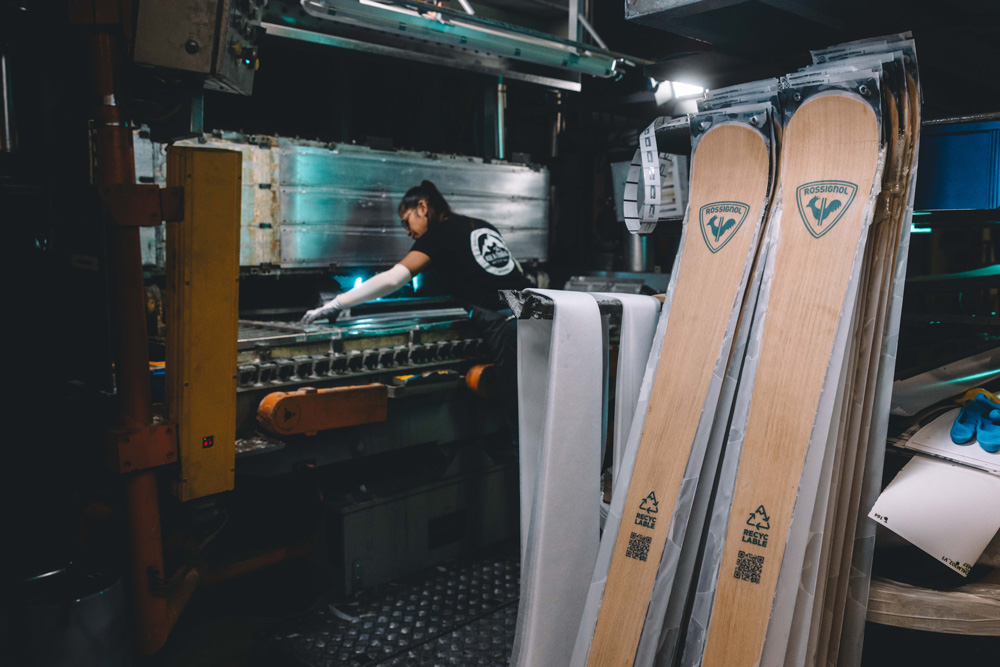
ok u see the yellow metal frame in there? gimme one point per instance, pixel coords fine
(202, 306)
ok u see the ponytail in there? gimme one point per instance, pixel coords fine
(437, 207)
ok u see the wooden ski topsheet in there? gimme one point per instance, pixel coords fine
(729, 185)
(830, 165)
(809, 554)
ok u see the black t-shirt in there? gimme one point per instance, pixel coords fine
(472, 260)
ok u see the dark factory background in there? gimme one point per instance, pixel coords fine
(285, 541)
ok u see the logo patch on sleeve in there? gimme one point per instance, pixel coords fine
(719, 221)
(823, 203)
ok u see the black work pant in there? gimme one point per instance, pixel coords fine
(499, 331)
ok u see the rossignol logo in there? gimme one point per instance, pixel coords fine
(719, 221)
(823, 203)
(490, 252)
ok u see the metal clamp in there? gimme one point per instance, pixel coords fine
(527, 305)
(130, 450)
(143, 205)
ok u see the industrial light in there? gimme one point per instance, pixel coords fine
(665, 90)
(391, 8)
(684, 90)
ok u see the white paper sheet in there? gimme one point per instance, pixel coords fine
(950, 511)
(935, 439)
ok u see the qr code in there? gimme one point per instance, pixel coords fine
(749, 567)
(638, 546)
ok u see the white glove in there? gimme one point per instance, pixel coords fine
(375, 287)
(330, 310)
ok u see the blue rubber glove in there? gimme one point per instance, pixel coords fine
(988, 430)
(964, 428)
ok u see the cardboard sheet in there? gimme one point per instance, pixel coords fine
(950, 511)
(935, 439)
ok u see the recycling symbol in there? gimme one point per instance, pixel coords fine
(649, 504)
(759, 519)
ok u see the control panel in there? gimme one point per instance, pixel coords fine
(215, 38)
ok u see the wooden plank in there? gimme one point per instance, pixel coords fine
(731, 167)
(830, 138)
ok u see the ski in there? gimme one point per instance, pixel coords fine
(730, 178)
(829, 172)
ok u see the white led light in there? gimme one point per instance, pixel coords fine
(682, 90)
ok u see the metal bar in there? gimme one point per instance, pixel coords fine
(470, 32)
(508, 30)
(115, 161)
(972, 118)
(324, 39)
(155, 616)
(593, 33)
(573, 28)
(8, 140)
(501, 106)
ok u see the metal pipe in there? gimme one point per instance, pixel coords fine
(973, 118)
(8, 133)
(593, 33)
(155, 616)
(146, 556)
(636, 255)
(501, 107)
(573, 25)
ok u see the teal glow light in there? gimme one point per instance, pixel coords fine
(416, 283)
(919, 230)
(358, 281)
(975, 376)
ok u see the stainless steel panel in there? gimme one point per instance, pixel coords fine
(308, 206)
(338, 207)
(327, 245)
(355, 168)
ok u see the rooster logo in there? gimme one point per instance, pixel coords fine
(823, 203)
(823, 209)
(720, 228)
(719, 222)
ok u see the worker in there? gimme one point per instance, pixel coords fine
(473, 262)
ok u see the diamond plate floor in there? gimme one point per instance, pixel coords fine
(461, 614)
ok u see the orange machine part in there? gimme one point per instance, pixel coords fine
(481, 380)
(311, 410)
